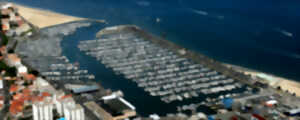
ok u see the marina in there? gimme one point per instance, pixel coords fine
(159, 71)
(58, 69)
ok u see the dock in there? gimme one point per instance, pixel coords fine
(160, 67)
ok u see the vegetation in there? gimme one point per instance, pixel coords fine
(4, 38)
(11, 51)
(10, 71)
(34, 72)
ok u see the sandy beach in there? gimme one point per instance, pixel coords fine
(44, 18)
(274, 81)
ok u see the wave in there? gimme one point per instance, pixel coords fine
(288, 54)
(143, 3)
(295, 56)
(220, 17)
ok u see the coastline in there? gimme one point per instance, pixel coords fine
(274, 81)
(44, 18)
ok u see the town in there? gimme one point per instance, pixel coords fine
(53, 88)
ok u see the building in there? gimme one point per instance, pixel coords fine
(22, 28)
(6, 6)
(293, 112)
(21, 69)
(16, 108)
(14, 88)
(85, 89)
(43, 86)
(13, 60)
(66, 101)
(1, 83)
(43, 110)
(11, 22)
(65, 106)
(74, 112)
(98, 111)
(5, 24)
(1, 102)
(57, 96)
(115, 108)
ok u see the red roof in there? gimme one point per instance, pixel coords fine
(26, 91)
(27, 94)
(5, 27)
(46, 94)
(16, 107)
(18, 96)
(37, 98)
(5, 11)
(18, 18)
(234, 118)
(66, 96)
(1, 97)
(3, 49)
(5, 20)
(13, 57)
(29, 77)
(13, 88)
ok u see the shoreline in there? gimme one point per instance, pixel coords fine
(44, 18)
(274, 81)
(237, 72)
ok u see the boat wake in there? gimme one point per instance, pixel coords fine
(200, 12)
(205, 13)
(284, 32)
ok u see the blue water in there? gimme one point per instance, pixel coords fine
(144, 103)
(250, 33)
(260, 34)
(247, 33)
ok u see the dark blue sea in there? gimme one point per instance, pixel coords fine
(259, 34)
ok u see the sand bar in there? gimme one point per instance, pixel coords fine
(44, 18)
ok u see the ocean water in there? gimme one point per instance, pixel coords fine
(259, 34)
